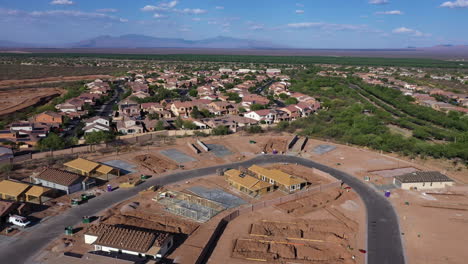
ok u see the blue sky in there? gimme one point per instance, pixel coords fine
(303, 24)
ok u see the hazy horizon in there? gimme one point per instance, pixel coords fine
(333, 24)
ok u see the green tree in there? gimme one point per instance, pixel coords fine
(98, 137)
(193, 93)
(196, 113)
(51, 142)
(159, 126)
(189, 125)
(220, 130)
(255, 129)
(290, 101)
(256, 107)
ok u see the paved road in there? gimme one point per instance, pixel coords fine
(384, 241)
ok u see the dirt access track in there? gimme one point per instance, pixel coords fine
(17, 100)
(384, 239)
(9, 83)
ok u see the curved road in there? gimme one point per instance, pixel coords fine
(384, 241)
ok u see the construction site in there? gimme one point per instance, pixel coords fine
(192, 209)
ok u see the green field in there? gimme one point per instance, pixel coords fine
(358, 61)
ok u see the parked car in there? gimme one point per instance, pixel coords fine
(18, 220)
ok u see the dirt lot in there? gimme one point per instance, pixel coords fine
(155, 164)
(275, 144)
(10, 82)
(442, 231)
(16, 100)
(331, 234)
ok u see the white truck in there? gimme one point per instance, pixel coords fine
(18, 220)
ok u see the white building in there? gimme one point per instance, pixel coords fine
(113, 239)
(266, 115)
(96, 124)
(422, 180)
(68, 182)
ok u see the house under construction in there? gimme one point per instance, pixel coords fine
(190, 206)
(247, 184)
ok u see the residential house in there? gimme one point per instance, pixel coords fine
(128, 126)
(281, 180)
(273, 72)
(422, 180)
(129, 108)
(247, 184)
(267, 116)
(96, 124)
(61, 180)
(6, 155)
(127, 240)
(49, 117)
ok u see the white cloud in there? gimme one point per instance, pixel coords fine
(164, 6)
(72, 13)
(325, 26)
(61, 2)
(219, 7)
(158, 15)
(191, 11)
(455, 4)
(107, 10)
(378, 2)
(299, 11)
(392, 12)
(409, 31)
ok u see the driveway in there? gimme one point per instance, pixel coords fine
(384, 240)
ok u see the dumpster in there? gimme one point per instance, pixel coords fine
(86, 220)
(75, 202)
(69, 230)
(109, 188)
(84, 197)
(145, 177)
(252, 142)
(275, 151)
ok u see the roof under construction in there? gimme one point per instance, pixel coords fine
(82, 165)
(37, 191)
(88, 166)
(277, 175)
(12, 188)
(127, 238)
(246, 181)
(423, 176)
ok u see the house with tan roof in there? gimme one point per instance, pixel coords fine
(89, 168)
(281, 180)
(247, 184)
(128, 240)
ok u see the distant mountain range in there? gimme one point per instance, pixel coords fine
(134, 41)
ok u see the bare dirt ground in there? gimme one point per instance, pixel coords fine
(155, 164)
(8, 83)
(275, 144)
(441, 230)
(16, 100)
(433, 235)
(273, 235)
